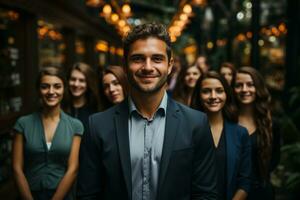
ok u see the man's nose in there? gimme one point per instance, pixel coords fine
(148, 64)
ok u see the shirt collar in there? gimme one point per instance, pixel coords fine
(162, 106)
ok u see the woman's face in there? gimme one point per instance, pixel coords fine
(244, 88)
(213, 95)
(191, 76)
(226, 72)
(112, 88)
(77, 83)
(51, 90)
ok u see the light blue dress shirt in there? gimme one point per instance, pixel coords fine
(146, 138)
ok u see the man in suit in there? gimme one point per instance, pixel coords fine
(147, 147)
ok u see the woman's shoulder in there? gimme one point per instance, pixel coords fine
(75, 124)
(237, 127)
(28, 118)
(68, 118)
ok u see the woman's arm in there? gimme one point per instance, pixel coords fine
(18, 163)
(71, 173)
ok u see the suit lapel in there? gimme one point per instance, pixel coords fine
(171, 128)
(121, 122)
(231, 151)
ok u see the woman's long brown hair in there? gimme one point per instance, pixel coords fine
(262, 119)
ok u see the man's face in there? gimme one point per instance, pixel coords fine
(148, 66)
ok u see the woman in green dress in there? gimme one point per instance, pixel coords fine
(46, 144)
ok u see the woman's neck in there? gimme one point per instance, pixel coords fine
(247, 118)
(147, 104)
(246, 111)
(52, 112)
(216, 122)
(79, 101)
(215, 119)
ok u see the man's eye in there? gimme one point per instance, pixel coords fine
(157, 59)
(136, 59)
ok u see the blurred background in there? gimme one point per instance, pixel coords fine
(263, 34)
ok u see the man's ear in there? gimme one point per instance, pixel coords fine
(170, 65)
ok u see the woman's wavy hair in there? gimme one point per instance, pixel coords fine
(121, 76)
(180, 90)
(92, 93)
(229, 110)
(262, 118)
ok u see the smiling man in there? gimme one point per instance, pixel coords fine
(148, 147)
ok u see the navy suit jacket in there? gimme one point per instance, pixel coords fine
(238, 155)
(187, 169)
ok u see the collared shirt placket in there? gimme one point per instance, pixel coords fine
(147, 160)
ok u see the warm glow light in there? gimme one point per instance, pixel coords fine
(126, 29)
(268, 32)
(126, 9)
(282, 27)
(119, 51)
(13, 15)
(187, 9)
(52, 34)
(107, 9)
(241, 37)
(190, 49)
(175, 29)
(42, 31)
(249, 34)
(102, 46)
(199, 2)
(210, 45)
(112, 50)
(93, 3)
(173, 38)
(179, 23)
(183, 17)
(114, 17)
(121, 23)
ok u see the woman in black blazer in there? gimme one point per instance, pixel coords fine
(213, 95)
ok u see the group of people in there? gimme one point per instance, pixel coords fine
(142, 144)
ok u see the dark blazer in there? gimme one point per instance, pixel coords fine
(238, 154)
(187, 169)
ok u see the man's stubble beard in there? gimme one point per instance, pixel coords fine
(160, 84)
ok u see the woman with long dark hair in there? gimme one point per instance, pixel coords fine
(186, 83)
(253, 100)
(213, 96)
(46, 144)
(114, 85)
(83, 92)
